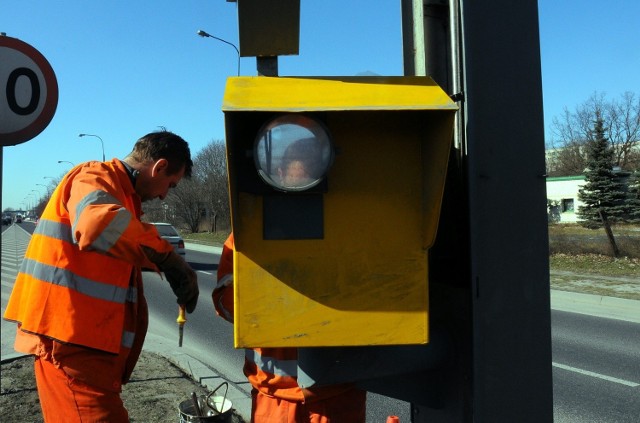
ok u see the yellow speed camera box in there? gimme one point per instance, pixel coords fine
(344, 262)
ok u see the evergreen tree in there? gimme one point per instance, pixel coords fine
(603, 194)
(633, 200)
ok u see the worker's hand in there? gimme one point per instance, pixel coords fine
(183, 280)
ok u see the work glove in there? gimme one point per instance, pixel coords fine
(183, 280)
(181, 277)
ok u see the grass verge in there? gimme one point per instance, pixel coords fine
(208, 238)
(597, 274)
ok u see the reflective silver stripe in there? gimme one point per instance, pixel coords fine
(56, 230)
(226, 280)
(68, 279)
(113, 231)
(91, 199)
(127, 339)
(272, 365)
(94, 198)
(132, 294)
(225, 313)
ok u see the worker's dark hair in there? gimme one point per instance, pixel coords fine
(164, 145)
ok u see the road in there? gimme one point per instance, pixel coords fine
(596, 361)
(596, 369)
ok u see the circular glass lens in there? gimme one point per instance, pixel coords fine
(293, 152)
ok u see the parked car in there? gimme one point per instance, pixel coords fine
(168, 232)
(6, 219)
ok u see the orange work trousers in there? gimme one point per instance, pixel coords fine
(66, 400)
(348, 407)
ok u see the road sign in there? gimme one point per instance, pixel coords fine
(28, 92)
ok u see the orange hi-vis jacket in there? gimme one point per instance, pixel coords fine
(272, 371)
(80, 284)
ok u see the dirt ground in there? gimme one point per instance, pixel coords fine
(609, 286)
(154, 393)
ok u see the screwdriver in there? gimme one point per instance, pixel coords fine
(181, 321)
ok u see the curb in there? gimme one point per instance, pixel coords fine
(201, 373)
(8, 358)
(596, 305)
(202, 247)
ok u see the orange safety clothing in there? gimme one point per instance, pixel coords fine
(66, 400)
(273, 371)
(348, 407)
(78, 297)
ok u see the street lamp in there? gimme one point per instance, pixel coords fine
(33, 198)
(36, 196)
(101, 142)
(204, 34)
(45, 187)
(65, 161)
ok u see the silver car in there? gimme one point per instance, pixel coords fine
(168, 232)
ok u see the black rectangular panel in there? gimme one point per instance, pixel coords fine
(293, 216)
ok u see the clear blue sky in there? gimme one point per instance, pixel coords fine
(125, 68)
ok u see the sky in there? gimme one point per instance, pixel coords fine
(127, 68)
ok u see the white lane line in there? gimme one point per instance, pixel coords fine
(598, 375)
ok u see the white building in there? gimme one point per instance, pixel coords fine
(564, 191)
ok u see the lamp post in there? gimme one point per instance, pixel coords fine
(204, 34)
(31, 205)
(45, 187)
(54, 181)
(72, 165)
(101, 142)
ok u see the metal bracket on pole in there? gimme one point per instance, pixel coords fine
(267, 65)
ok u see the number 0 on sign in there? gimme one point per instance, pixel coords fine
(28, 92)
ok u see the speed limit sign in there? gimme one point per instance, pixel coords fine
(28, 91)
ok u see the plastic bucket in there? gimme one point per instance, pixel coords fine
(213, 408)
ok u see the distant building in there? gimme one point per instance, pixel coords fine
(563, 192)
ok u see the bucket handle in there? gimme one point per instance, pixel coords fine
(212, 405)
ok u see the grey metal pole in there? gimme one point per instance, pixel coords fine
(101, 142)
(489, 287)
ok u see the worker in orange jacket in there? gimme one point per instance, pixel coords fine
(78, 298)
(272, 372)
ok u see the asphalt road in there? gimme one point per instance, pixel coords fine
(596, 369)
(596, 360)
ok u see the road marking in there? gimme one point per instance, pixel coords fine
(598, 375)
(206, 273)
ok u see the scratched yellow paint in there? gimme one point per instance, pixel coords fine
(366, 281)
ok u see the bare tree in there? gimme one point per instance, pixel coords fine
(568, 160)
(624, 131)
(574, 130)
(154, 211)
(210, 166)
(186, 203)
(202, 199)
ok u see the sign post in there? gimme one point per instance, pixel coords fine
(28, 94)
